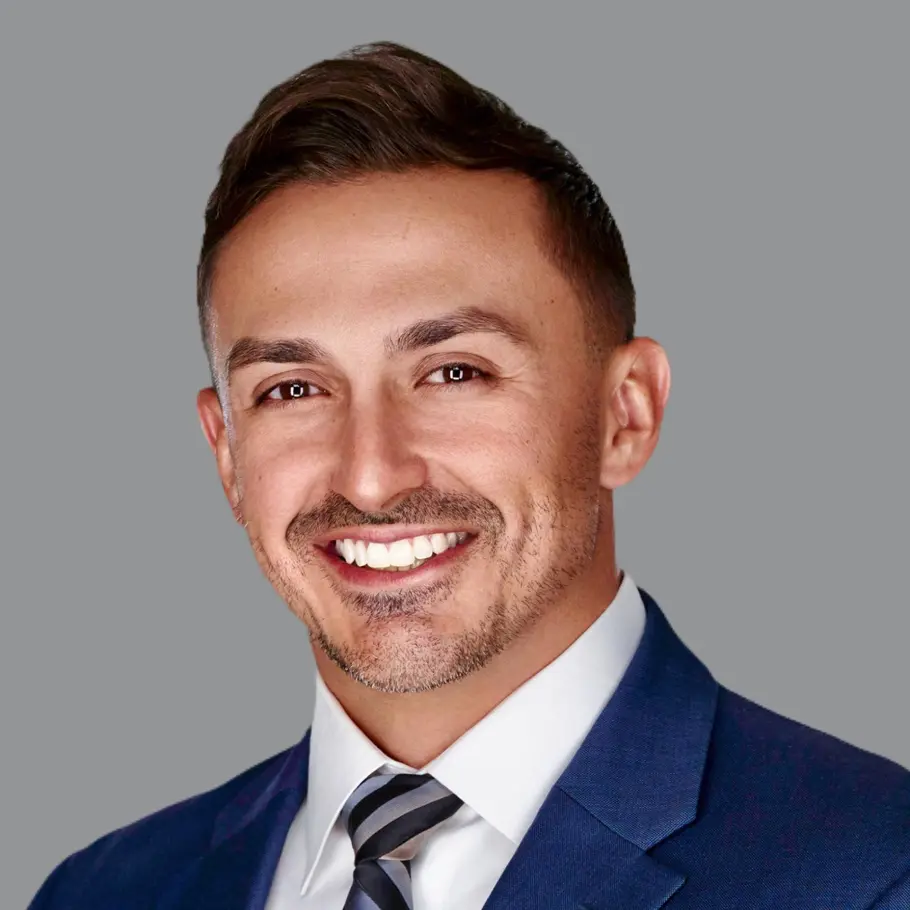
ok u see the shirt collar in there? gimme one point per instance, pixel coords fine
(504, 766)
(341, 757)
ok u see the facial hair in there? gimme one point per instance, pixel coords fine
(398, 650)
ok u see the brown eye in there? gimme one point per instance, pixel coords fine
(286, 391)
(459, 373)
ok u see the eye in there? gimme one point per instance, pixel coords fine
(460, 372)
(288, 390)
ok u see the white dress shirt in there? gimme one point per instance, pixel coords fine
(502, 768)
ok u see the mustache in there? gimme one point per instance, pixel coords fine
(424, 506)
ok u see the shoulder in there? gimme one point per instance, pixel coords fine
(149, 847)
(821, 796)
(814, 763)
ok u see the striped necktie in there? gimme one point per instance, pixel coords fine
(386, 817)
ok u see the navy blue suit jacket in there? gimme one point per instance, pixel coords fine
(683, 795)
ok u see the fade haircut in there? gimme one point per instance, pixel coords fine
(385, 108)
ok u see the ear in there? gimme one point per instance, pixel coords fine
(211, 417)
(637, 385)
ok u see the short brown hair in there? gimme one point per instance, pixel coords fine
(383, 107)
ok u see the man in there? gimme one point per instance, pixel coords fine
(425, 387)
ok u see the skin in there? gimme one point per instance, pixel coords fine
(527, 460)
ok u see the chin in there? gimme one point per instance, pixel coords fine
(415, 659)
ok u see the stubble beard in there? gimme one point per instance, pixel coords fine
(399, 650)
(402, 652)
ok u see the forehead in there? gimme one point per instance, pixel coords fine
(388, 245)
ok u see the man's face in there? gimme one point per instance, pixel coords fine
(409, 432)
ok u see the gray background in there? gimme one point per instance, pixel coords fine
(755, 160)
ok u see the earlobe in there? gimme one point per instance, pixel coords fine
(211, 419)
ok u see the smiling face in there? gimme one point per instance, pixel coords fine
(397, 355)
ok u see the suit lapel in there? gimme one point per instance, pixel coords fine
(236, 873)
(634, 781)
(569, 860)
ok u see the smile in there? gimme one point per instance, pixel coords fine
(378, 564)
(397, 555)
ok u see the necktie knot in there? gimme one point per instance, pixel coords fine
(386, 817)
(387, 811)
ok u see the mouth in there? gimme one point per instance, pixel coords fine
(422, 571)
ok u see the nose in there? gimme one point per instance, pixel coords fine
(378, 464)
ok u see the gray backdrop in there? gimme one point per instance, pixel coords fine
(756, 161)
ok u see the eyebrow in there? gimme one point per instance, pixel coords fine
(422, 334)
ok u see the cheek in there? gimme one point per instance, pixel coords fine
(277, 480)
(512, 434)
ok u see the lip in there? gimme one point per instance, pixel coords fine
(371, 578)
(387, 534)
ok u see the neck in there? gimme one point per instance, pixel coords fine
(414, 728)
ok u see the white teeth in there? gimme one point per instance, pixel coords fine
(423, 549)
(347, 550)
(360, 553)
(399, 553)
(378, 555)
